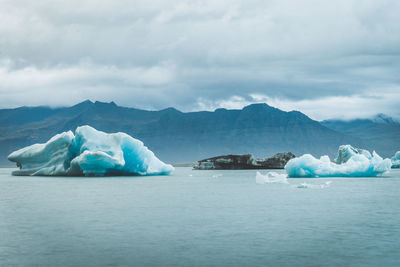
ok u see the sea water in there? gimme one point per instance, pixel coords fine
(199, 218)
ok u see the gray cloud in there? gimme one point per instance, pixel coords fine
(307, 55)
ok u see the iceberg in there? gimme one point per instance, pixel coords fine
(396, 160)
(353, 163)
(88, 152)
(345, 152)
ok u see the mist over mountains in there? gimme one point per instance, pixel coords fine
(175, 136)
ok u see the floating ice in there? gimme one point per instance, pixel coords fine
(396, 160)
(277, 178)
(358, 165)
(345, 152)
(314, 186)
(271, 178)
(91, 153)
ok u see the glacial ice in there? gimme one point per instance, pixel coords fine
(351, 164)
(271, 178)
(345, 152)
(90, 153)
(396, 160)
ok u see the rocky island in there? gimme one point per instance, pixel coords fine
(243, 162)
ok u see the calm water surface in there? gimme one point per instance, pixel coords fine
(198, 218)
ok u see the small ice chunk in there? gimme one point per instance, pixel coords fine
(271, 178)
(314, 186)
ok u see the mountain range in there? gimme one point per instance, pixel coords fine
(176, 136)
(380, 133)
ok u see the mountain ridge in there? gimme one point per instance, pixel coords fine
(177, 136)
(380, 132)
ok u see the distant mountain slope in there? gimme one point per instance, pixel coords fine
(380, 133)
(175, 136)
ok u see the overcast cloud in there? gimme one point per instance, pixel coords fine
(328, 59)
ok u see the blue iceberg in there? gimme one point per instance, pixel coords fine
(89, 153)
(345, 152)
(396, 160)
(351, 162)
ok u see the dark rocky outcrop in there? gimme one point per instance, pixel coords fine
(243, 162)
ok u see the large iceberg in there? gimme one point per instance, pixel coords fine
(90, 153)
(351, 163)
(396, 160)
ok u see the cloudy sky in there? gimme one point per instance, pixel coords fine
(328, 59)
